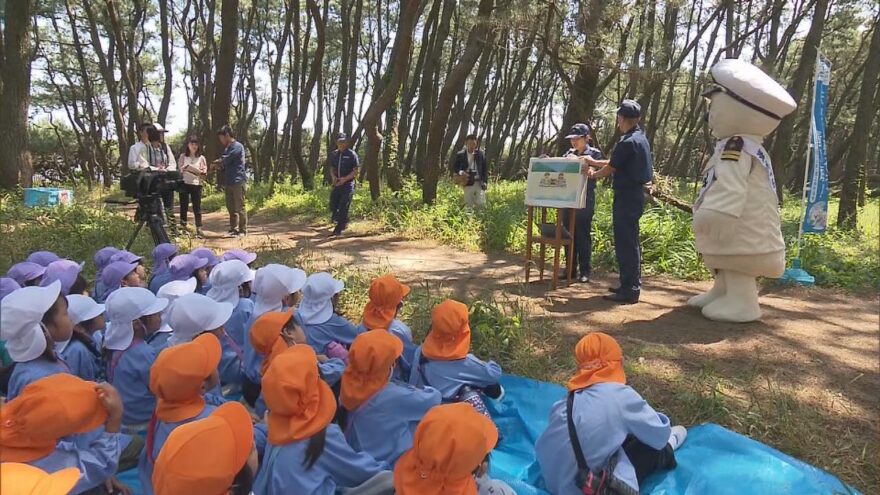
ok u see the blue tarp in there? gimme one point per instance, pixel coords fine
(713, 460)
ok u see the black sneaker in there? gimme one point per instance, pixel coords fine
(620, 298)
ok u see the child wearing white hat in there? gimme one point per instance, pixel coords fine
(317, 315)
(230, 282)
(172, 291)
(132, 313)
(79, 351)
(32, 319)
(277, 288)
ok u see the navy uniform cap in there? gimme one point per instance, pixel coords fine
(342, 137)
(578, 130)
(630, 109)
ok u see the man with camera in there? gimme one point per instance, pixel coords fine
(472, 173)
(232, 165)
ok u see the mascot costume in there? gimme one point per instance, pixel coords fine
(736, 215)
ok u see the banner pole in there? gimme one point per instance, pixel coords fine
(810, 135)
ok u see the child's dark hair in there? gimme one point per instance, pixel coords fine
(89, 325)
(243, 482)
(315, 448)
(50, 314)
(80, 285)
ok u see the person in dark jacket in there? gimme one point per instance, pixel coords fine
(344, 165)
(471, 162)
(232, 164)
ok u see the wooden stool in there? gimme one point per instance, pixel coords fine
(550, 235)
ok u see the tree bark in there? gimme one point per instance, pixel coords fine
(480, 34)
(165, 35)
(394, 75)
(847, 215)
(15, 84)
(223, 76)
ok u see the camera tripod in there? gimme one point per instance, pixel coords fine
(150, 213)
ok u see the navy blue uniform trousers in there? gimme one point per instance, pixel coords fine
(340, 202)
(626, 212)
(583, 239)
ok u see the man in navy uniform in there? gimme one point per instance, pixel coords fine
(579, 260)
(632, 166)
(343, 164)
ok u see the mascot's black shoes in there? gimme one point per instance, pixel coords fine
(619, 298)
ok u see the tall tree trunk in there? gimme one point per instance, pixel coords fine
(267, 150)
(225, 70)
(394, 75)
(784, 151)
(480, 34)
(847, 215)
(307, 174)
(165, 35)
(15, 84)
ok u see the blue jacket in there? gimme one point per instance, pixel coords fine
(449, 376)
(231, 363)
(282, 471)
(336, 329)
(404, 363)
(160, 435)
(462, 165)
(23, 374)
(233, 162)
(604, 414)
(81, 361)
(235, 326)
(129, 372)
(384, 425)
(632, 161)
(96, 457)
(342, 164)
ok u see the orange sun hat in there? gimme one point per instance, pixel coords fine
(386, 294)
(450, 335)
(24, 479)
(204, 456)
(48, 409)
(599, 360)
(266, 338)
(300, 403)
(177, 376)
(450, 443)
(370, 360)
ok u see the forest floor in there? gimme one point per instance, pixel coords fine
(804, 379)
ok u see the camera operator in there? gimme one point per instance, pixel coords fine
(471, 162)
(162, 159)
(137, 153)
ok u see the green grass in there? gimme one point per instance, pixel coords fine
(845, 259)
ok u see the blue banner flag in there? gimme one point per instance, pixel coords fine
(816, 207)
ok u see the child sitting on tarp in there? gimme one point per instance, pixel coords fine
(620, 438)
(386, 300)
(444, 362)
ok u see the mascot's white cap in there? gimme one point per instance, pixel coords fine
(752, 87)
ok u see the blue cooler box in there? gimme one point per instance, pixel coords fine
(47, 196)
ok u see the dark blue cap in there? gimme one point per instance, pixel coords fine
(578, 130)
(630, 109)
(342, 136)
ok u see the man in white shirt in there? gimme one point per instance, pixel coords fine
(137, 153)
(471, 162)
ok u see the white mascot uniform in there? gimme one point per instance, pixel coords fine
(736, 215)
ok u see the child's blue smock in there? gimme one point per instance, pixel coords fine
(282, 471)
(81, 361)
(23, 374)
(336, 329)
(404, 363)
(97, 459)
(241, 315)
(129, 372)
(160, 435)
(384, 425)
(449, 376)
(604, 414)
(230, 367)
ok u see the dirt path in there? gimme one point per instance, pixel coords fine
(814, 348)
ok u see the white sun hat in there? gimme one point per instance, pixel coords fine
(274, 282)
(124, 306)
(83, 308)
(21, 315)
(194, 314)
(226, 278)
(172, 291)
(317, 303)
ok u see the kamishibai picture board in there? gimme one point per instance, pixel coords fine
(556, 183)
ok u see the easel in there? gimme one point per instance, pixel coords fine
(557, 242)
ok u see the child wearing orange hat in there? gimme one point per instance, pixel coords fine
(179, 379)
(306, 453)
(382, 413)
(450, 450)
(214, 455)
(444, 362)
(617, 431)
(271, 334)
(386, 300)
(21, 479)
(36, 425)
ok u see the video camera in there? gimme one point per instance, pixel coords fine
(150, 183)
